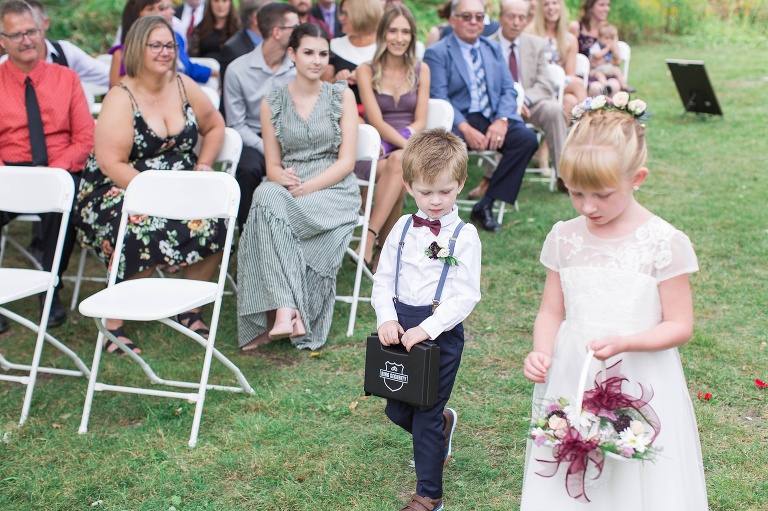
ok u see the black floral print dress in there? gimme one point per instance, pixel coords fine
(149, 241)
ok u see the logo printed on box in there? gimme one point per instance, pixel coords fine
(393, 376)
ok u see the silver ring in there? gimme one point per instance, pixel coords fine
(498, 138)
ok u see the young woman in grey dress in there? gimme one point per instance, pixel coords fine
(302, 219)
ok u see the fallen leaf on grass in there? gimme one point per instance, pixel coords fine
(705, 396)
(760, 383)
(56, 426)
(315, 354)
(352, 406)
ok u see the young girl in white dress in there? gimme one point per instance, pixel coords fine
(617, 283)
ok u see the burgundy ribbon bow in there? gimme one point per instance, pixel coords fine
(578, 453)
(607, 397)
(434, 225)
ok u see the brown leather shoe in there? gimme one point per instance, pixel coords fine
(419, 503)
(479, 191)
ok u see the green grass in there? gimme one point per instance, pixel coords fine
(309, 439)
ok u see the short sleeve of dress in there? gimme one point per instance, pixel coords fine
(275, 102)
(337, 107)
(673, 257)
(550, 250)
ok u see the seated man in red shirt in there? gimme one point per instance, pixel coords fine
(45, 122)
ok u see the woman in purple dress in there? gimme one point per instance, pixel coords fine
(394, 89)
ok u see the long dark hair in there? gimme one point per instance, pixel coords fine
(208, 25)
(131, 13)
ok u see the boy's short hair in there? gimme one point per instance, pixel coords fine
(431, 153)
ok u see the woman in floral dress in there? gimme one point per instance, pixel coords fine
(150, 120)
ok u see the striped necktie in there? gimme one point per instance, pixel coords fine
(482, 88)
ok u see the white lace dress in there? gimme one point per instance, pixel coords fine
(610, 286)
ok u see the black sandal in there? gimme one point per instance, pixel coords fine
(191, 318)
(118, 332)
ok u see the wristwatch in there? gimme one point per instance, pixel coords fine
(505, 119)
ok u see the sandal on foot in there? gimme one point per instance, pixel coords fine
(376, 247)
(118, 332)
(191, 318)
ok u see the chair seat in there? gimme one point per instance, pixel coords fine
(148, 299)
(16, 283)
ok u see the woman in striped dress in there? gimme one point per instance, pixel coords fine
(302, 219)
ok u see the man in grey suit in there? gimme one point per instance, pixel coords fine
(526, 55)
(248, 80)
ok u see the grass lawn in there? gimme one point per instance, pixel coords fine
(309, 439)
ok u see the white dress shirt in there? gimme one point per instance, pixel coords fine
(88, 69)
(186, 16)
(419, 275)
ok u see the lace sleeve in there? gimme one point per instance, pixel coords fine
(550, 250)
(674, 257)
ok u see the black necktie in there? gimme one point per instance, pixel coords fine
(434, 225)
(35, 122)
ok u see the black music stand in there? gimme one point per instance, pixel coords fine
(693, 85)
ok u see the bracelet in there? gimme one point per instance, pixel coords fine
(204, 167)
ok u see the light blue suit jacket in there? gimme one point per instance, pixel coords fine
(450, 78)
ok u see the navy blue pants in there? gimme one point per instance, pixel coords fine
(428, 426)
(519, 146)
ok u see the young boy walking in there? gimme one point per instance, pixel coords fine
(427, 283)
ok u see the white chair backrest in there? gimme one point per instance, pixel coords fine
(212, 82)
(35, 190)
(213, 95)
(439, 115)
(231, 149)
(625, 54)
(582, 67)
(520, 97)
(182, 195)
(368, 143)
(557, 77)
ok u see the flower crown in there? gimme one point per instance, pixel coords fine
(620, 101)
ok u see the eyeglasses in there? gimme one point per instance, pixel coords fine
(157, 48)
(33, 34)
(467, 17)
(343, 13)
(291, 27)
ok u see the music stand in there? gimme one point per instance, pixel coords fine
(693, 85)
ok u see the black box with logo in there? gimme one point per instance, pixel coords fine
(393, 373)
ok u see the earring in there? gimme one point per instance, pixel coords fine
(635, 188)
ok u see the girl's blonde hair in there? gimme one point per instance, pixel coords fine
(381, 47)
(363, 15)
(603, 148)
(561, 27)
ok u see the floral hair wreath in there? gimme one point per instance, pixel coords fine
(620, 101)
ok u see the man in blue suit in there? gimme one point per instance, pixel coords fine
(469, 71)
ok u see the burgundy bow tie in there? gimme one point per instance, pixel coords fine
(434, 225)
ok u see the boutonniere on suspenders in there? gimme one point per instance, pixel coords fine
(441, 251)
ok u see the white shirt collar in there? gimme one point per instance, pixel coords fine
(445, 220)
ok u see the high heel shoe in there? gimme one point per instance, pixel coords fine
(298, 327)
(282, 329)
(375, 247)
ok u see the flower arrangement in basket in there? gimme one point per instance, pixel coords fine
(603, 423)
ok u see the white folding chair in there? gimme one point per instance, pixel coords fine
(229, 157)
(439, 115)
(180, 196)
(6, 239)
(212, 82)
(582, 68)
(557, 77)
(35, 190)
(625, 54)
(368, 147)
(213, 95)
(105, 58)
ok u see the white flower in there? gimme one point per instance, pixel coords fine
(598, 102)
(637, 427)
(444, 252)
(579, 418)
(577, 111)
(556, 422)
(443, 243)
(628, 439)
(620, 99)
(636, 106)
(539, 436)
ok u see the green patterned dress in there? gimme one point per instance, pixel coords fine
(292, 248)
